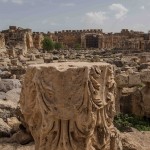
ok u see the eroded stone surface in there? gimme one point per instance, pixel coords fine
(70, 106)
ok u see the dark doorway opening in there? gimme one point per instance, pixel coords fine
(91, 41)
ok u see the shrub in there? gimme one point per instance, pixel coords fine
(58, 46)
(47, 44)
(123, 121)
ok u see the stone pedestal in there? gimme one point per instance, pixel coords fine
(70, 106)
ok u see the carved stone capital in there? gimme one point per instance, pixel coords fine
(70, 106)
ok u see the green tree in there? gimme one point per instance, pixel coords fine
(47, 44)
(58, 46)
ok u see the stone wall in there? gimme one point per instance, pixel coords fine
(71, 38)
(125, 40)
(136, 102)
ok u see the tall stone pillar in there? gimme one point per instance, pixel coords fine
(70, 106)
(99, 42)
(2, 41)
(29, 40)
(83, 41)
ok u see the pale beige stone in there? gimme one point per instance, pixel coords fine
(136, 140)
(122, 80)
(134, 79)
(14, 123)
(70, 106)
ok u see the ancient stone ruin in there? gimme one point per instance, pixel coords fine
(70, 106)
(2, 41)
(21, 39)
(69, 96)
(26, 40)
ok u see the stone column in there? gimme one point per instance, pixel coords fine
(2, 41)
(83, 41)
(70, 106)
(29, 40)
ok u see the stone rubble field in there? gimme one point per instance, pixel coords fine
(131, 74)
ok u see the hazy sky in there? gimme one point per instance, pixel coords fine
(54, 15)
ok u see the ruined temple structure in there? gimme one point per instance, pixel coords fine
(87, 39)
(97, 39)
(20, 38)
(70, 106)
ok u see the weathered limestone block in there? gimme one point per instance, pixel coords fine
(140, 102)
(136, 103)
(131, 80)
(145, 76)
(48, 60)
(134, 79)
(146, 100)
(15, 62)
(70, 106)
(144, 59)
(122, 80)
